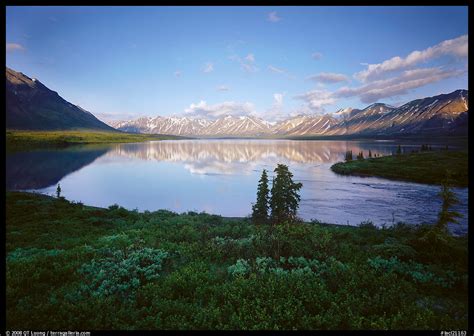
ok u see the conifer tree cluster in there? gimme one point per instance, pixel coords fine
(283, 201)
(348, 156)
(427, 147)
(360, 156)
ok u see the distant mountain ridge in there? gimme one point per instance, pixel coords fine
(30, 105)
(439, 115)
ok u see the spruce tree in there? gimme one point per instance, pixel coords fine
(399, 150)
(370, 154)
(284, 196)
(446, 215)
(58, 191)
(348, 156)
(260, 208)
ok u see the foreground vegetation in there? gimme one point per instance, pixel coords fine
(61, 138)
(422, 167)
(70, 266)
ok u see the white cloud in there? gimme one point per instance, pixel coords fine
(392, 78)
(278, 97)
(178, 73)
(202, 109)
(401, 84)
(456, 47)
(275, 69)
(14, 47)
(223, 88)
(386, 88)
(247, 63)
(317, 55)
(208, 67)
(316, 99)
(273, 17)
(250, 58)
(276, 113)
(329, 77)
(280, 71)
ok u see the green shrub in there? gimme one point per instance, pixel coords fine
(119, 272)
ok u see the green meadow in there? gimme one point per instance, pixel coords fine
(71, 266)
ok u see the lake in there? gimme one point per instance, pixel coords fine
(221, 177)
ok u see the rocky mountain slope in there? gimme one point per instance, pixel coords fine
(32, 106)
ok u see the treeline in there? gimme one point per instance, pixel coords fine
(399, 151)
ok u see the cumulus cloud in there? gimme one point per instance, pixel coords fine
(316, 55)
(316, 100)
(456, 47)
(202, 109)
(14, 47)
(329, 78)
(275, 113)
(208, 67)
(223, 88)
(407, 80)
(273, 17)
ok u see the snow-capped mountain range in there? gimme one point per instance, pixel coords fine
(442, 114)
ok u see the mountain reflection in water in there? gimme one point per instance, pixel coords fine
(43, 168)
(242, 156)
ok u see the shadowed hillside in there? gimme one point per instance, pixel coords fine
(32, 106)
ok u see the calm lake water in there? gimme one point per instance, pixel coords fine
(221, 176)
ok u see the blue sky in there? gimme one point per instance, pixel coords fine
(126, 62)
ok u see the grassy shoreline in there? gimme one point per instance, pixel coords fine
(21, 139)
(422, 167)
(119, 269)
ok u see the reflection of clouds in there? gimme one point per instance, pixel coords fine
(219, 167)
(235, 156)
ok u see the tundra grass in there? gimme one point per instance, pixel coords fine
(63, 138)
